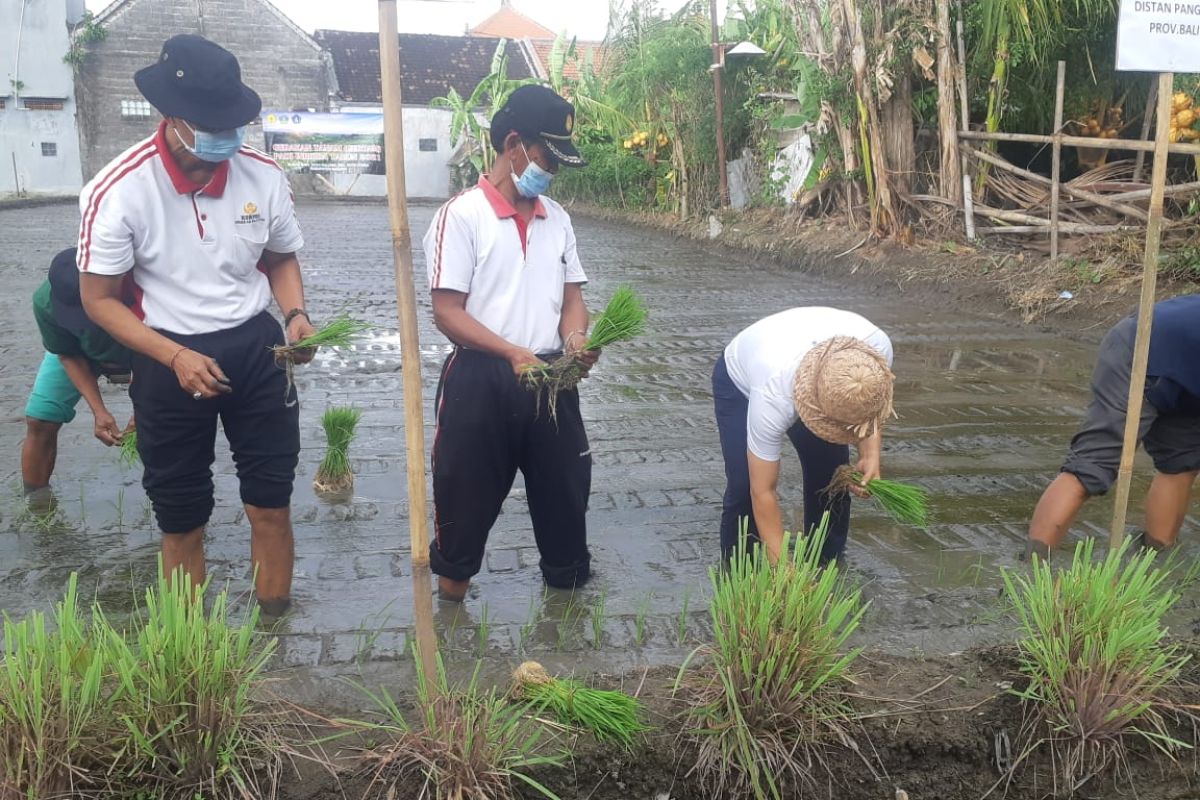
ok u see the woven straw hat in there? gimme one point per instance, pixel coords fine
(843, 390)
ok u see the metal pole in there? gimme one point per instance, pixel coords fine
(410, 344)
(1056, 168)
(718, 66)
(1141, 347)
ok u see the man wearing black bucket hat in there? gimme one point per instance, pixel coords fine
(205, 229)
(77, 353)
(507, 291)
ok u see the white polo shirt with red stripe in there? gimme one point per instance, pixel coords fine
(512, 272)
(192, 251)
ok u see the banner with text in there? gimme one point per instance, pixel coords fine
(1159, 36)
(346, 144)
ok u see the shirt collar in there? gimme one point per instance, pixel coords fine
(179, 179)
(500, 204)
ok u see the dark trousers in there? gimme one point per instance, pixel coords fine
(177, 434)
(488, 427)
(819, 460)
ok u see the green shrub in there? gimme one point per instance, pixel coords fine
(612, 178)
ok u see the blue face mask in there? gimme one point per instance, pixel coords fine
(214, 147)
(534, 181)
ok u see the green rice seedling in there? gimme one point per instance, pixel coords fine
(467, 744)
(192, 721)
(483, 630)
(609, 716)
(54, 705)
(639, 621)
(334, 475)
(1094, 649)
(623, 319)
(598, 621)
(340, 332)
(905, 503)
(681, 624)
(767, 711)
(127, 452)
(569, 622)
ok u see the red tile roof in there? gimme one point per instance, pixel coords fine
(573, 66)
(508, 23)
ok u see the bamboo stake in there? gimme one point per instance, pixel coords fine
(1150, 106)
(968, 192)
(1064, 227)
(1056, 159)
(1141, 347)
(1142, 194)
(410, 344)
(1177, 149)
(1100, 200)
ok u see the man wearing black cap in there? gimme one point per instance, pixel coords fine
(507, 291)
(206, 230)
(77, 353)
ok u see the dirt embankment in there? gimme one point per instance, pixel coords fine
(1095, 282)
(938, 729)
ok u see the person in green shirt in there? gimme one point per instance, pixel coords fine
(77, 353)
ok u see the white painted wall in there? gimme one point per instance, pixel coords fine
(426, 173)
(31, 52)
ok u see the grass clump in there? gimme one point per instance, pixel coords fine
(1094, 649)
(903, 502)
(468, 744)
(767, 711)
(334, 474)
(608, 715)
(127, 451)
(623, 319)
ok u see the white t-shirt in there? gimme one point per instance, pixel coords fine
(514, 288)
(762, 361)
(193, 250)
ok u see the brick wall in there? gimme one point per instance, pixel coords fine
(278, 61)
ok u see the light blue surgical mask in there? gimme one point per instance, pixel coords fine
(214, 147)
(534, 181)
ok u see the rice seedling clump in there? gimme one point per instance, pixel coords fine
(610, 716)
(128, 453)
(623, 319)
(767, 711)
(903, 502)
(341, 332)
(334, 474)
(1094, 649)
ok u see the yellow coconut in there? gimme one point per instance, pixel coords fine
(1186, 118)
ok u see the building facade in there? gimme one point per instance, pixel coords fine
(39, 141)
(279, 61)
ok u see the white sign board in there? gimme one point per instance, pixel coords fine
(1159, 36)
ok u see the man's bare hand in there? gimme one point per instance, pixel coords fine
(106, 428)
(522, 360)
(300, 328)
(199, 374)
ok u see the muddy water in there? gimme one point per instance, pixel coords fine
(986, 407)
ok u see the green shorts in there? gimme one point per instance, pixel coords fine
(54, 397)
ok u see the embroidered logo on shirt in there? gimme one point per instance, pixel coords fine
(249, 214)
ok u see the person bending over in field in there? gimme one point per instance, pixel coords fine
(77, 352)
(820, 377)
(1169, 429)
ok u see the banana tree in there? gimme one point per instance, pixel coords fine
(586, 92)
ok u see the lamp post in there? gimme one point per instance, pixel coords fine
(747, 49)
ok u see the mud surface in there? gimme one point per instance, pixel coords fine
(987, 407)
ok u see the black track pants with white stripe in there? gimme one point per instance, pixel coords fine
(489, 427)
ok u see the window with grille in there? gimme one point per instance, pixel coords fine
(427, 145)
(43, 104)
(136, 109)
(49, 149)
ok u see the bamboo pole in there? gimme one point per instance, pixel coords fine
(1141, 347)
(410, 344)
(965, 112)
(1074, 191)
(947, 76)
(718, 66)
(1056, 159)
(1176, 149)
(1151, 99)
(1142, 194)
(1064, 227)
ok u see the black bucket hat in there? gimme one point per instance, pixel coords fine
(199, 81)
(65, 302)
(538, 112)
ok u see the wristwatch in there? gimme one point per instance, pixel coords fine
(296, 312)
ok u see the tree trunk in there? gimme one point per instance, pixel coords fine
(898, 133)
(951, 164)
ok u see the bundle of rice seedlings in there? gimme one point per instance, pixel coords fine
(334, 474)
(623, 319)
(903, 502)
(192, 720)
(341, 332)
(609, 716)
(767, 712)
(127, 452)
(55, 708)
(1095, 651)
(468, 744)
